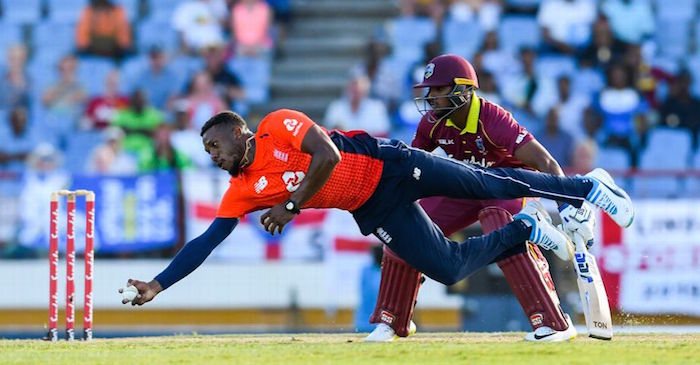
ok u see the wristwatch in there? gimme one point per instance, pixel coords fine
(291, 206)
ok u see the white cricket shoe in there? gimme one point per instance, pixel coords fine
(546, 334)
(610, 198)
(384, 333)
(544, 234)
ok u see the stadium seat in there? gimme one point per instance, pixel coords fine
(162, 10)
(153, 32)
(588, 81)
(672, 37)
(131, 69)
(680, 10)
(524, 3)
(409, 36)
(131, 7)
(21, 11)
(11, 35)
(79, 149)
(254, 73)
(59, 38)
(66, 11)
(462, 38)
(515, 32)
(92, 72)
(616, 161)
(555, 66)
(667, 149)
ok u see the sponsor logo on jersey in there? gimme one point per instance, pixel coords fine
(520, 137)
(429, 70)
(293, 126)
(483, 163)
(383, 235)
(446, 141)
(536, 319)
(282, 156)
(261, 184)
(293, 179)
(386, 317)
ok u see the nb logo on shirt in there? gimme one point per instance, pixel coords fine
(260, 185)
(292, 180)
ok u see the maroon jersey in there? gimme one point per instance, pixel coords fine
(489, 139)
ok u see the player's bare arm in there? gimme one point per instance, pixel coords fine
(533, 154)
(324, 157)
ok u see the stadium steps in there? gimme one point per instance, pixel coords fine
(326, 39)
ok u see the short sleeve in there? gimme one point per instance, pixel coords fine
(504, 131)
(233, 204)
(422, 138)
(286, 126)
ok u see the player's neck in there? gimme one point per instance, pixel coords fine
(459, 117)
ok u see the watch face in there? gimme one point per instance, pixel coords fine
(289, 206)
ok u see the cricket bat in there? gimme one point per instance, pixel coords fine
(596, 308)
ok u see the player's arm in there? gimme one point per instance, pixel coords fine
(324, 157)
(534, 155)
(187, 260)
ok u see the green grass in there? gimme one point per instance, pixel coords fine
(437, 348)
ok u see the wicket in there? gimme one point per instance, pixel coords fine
(70, 264)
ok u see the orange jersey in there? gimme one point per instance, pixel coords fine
(280, 166)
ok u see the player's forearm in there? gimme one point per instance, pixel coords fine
(320, 170)
(195, 252)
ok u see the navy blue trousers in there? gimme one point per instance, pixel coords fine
(409, 174)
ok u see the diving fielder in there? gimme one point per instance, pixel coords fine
(290, 163)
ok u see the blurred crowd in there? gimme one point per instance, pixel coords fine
(598, 82)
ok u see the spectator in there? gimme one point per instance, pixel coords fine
(488, 12)
(166, 156)
(109, 158)
(357, 111)
(407, 115)
(488, 88)
(202, 100)
(604, 47)
(199, 23)
(631, 20)
(43, 176)
(250, 25)
(557, 141)
(101, 109)
(519, 89)
(16, 141)
(644, 77)
(385, 84)
(369, 289)
(139, 121)
(64, 100)
(622, 111)
(494, 59)
(584, 156)
(681, 109)
(566, 24)
(187, 141)
(103, 30)
(14, 86)
(570, 106)
(158, 81)
(226, 83)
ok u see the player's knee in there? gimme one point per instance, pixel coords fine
(447, 276)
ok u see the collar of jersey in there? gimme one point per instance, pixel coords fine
(472, 116)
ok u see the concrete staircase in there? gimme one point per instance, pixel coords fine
(325, 40)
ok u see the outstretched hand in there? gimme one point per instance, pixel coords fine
(276, 218)
(147, 291)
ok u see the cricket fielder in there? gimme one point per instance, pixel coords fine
(472, 129)
(290, 163)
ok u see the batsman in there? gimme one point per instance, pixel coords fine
(474, 130)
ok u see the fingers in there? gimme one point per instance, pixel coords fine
(264, 217)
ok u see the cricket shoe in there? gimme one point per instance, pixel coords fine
(384, 333)
(543, 233)
(610, 198)
(547, 334)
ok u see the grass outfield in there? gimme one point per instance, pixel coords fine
(431, 348)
